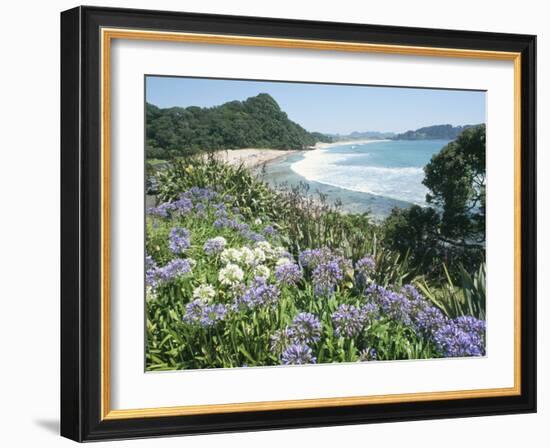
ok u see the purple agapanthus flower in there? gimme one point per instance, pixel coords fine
(221, 223)
(418, 303)
(200, 210)
(201, 314)
(349, 320)
(238, 225)
(162, 210)
(305, 328)
(311, 258)
(174, 269)
(325, 278)
(288, 273)
(214, 245)
(412, 293)
(429, 320)
(183, 205)
(179, 240)
(394, 305)
(198, 194)
(366, 265)
(258, 294)
(328, 269)
(194, 311)
(213, 314)
(151, 272)
(224, 222)
(220, 211)
(471, 324)
(364, 271)
(452, 340)
(298, 354)
(252, 236)
(269, 230)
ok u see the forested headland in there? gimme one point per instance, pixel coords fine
(257, 122)
(435, 132)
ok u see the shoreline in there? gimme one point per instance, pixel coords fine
(255, 157)
(322, 145)
(379, 203)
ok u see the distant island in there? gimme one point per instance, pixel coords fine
(257, 122)
(361, 135)
(436, 132)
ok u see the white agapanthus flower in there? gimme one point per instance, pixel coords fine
(279, 252)
(262, 271)
(150, 294)
(264, 245)
(204, 292)
(283, 260)
(259, 255)
(230, 275)
(258, 221)
(266, 248)
(247, 256)
(231, 255)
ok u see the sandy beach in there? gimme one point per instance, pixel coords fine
(253, 157)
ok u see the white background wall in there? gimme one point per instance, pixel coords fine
(29, 235)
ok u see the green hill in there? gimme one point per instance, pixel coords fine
(257, 122)
(437, 132)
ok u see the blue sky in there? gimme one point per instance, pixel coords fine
(330, 108)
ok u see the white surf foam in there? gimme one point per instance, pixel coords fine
(320, 165)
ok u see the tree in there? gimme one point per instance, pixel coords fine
(413, 231)
(456, 179)
(452, 230)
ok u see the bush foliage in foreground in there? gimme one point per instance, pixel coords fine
(240, 275)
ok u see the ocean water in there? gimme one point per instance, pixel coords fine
(375, 176)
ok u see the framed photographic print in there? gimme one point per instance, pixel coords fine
(275, 224)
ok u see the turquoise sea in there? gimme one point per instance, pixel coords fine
(374, 176)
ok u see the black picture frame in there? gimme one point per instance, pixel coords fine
(81, 224)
